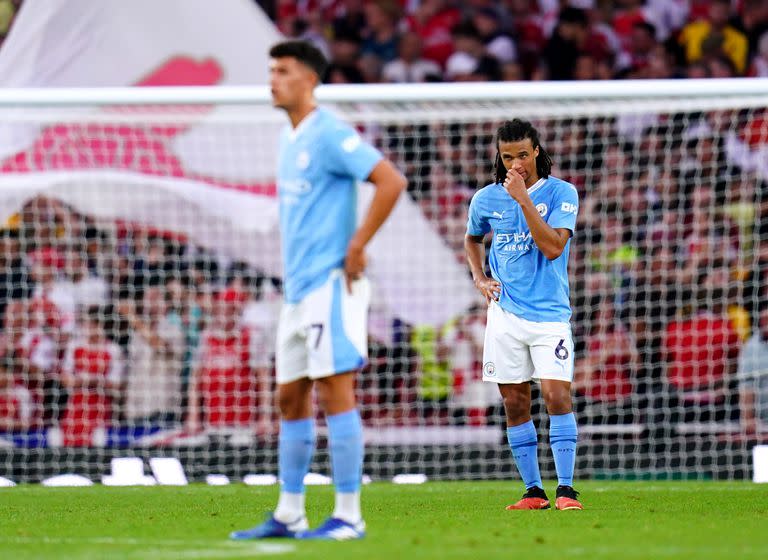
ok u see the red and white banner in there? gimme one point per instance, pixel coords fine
(162, 175)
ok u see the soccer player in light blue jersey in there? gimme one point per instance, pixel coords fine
(322, 333)
(531, 216)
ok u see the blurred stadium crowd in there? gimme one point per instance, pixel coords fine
(489, 40)
(112, 330)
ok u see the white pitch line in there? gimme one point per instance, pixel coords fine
(188, 548)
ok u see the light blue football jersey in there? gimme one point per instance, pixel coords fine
(319, 164)
(532, 286)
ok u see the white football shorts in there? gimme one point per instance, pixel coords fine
(325, 333)
(517, 350)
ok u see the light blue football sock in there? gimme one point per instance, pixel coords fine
(296, 445)
(524, 444)
(563, 434)
(345, 438)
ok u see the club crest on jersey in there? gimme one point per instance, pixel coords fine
(489, 369)
(542, 209)
(350, 143)
(302, 160)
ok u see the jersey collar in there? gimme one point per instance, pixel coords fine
(537, 185)
(294, 133)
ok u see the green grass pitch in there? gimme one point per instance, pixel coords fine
(440, 520)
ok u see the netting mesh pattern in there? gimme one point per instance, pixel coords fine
(140, 286)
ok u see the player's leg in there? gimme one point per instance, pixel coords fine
(296, 442)
(552, 355)
(523, 441)
(335, 354)
(296, 445)
(563, 437)
(336, 395)
(507, 362)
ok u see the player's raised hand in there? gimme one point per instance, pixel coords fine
(489, 287)
(515, 185)
(354, 264)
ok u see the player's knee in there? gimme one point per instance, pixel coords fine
(291, 407)
(558, 400)
(516, 406)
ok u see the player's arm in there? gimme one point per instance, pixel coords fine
(389, 183)
(474, 248)
(550, 241)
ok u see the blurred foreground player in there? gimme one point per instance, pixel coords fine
(322, 334)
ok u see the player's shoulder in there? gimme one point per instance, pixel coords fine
(335, 130)
(561, 186)
(327, 120)
(488, 192)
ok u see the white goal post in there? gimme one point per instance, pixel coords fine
(136, 221)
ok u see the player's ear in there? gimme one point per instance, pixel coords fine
(535, 152)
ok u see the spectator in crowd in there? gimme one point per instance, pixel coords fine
(380, 38)
(186, 315)
(654, 305)
(571, 37)
(50, 286)
(14, 274)
(92, 374)
(498, 44)
(435, 378)
(627, 14)
(154, 377)
(605, 373)
(311, 28)
(752, 374)
(432, 21)
(614, 255)
(587, 68)
(345, 48)
(753, 22)
(27, 359)
(759, 68)
(700, 351)
(225, 394)
(410, 67)
(642, 46)
(343, 74)
(710, 240)
(470, 396)
(87, 288)
(714, 35)
(470, 61)
(348, 20)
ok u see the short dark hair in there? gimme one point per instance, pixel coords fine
(303, 51)
(514, 131)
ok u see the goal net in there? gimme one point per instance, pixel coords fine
(141, 279)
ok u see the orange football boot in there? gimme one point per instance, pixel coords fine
(534, 498)
(567, 498)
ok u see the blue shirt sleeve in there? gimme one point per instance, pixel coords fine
(348, 154)
(477, 224)
(566, 208)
